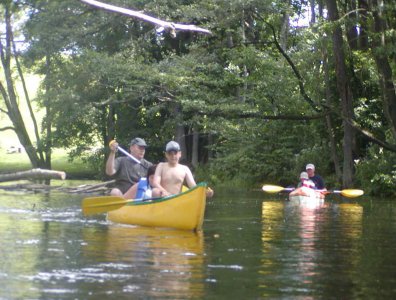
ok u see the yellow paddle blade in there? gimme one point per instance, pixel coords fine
(102, 204)
(272, 188)
(351, 193)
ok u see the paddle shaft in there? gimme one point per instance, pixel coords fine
(103, 204)
(128, 154)
(349, 193)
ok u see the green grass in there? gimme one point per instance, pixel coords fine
(75, 169)
(9, 163)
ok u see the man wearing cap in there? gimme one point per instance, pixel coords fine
(170, 175)
(317, 179)
(127, 171)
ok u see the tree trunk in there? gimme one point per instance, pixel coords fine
(329, 123)
(312, 5)
(26, 93)
(180, 138)
(328, 97)
(107, 130)
(384, 67)
(351, 29)
(210, 143)
(9, 95)
(48, 123)
(195, 148)
(345, 93)
(180, 133)
(363, 38)
(285, 27)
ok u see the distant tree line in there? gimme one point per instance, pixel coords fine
(275, 85)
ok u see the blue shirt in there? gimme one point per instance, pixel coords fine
(143, 189)
(319, 182)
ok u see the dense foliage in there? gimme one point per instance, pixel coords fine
(273, 87)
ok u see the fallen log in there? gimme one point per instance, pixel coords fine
(91, 188)
(102, 188)
(34, 174)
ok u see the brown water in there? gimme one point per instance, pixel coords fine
(252, 247)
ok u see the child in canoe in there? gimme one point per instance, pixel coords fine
(143, 188)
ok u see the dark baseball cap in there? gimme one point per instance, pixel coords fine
(138, 141)
(172, 146)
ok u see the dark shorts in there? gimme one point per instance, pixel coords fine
(123, 186)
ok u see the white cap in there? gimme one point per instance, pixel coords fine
(304, 175)
(310, 166)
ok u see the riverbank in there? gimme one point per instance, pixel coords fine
(19, 161)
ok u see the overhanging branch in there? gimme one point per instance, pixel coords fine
(370, 136)
(293, 66)
(166, 25)
(257, 115)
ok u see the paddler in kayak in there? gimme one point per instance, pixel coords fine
(317, 179)
(305, 187)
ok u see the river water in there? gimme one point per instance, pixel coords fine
(253, 246)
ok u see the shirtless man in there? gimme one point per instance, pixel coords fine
(170, 176)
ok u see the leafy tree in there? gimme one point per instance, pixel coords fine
(257, 99)
(12, 69)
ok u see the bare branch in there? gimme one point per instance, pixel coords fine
(237, 114)
(7, 128)
(4, 111)
(167, 25)
(370, 136)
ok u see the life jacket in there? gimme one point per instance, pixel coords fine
(143, 189)
(308, 183)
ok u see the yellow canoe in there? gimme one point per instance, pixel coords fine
(182, 211)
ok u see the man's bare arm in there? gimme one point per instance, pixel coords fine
(189, 178)
(157, 181)
(110, 170)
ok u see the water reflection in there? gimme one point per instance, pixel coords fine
(18, 257)
(309, 223)
(252, 249)
(160, 262)
(296, 238)
(351, 219)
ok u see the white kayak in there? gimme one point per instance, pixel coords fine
(309, 201)
(312, 198)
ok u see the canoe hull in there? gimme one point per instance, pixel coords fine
(183, 211)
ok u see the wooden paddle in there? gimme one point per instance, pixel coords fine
(349, 193)
(102, 204)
